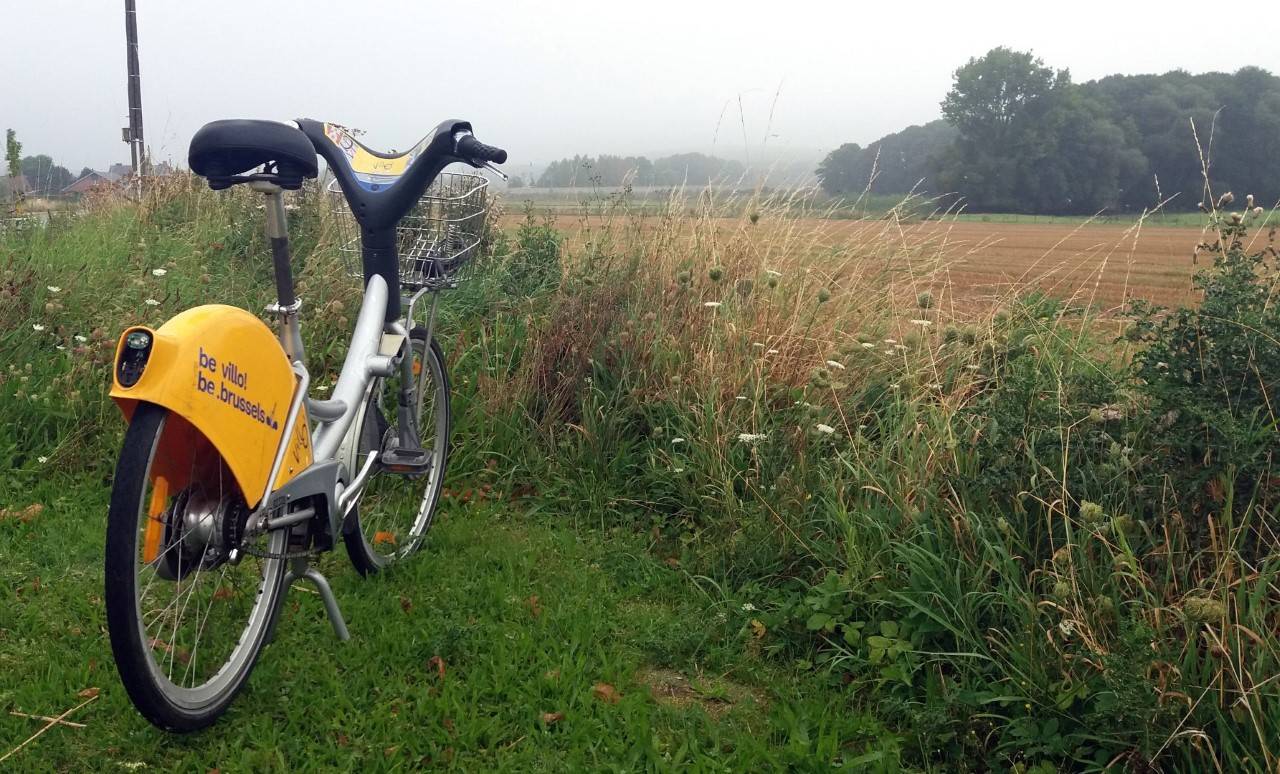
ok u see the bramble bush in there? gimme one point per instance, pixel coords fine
(1211, 374)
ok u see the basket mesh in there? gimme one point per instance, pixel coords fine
(436, 239)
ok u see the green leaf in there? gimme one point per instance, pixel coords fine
(818, 621)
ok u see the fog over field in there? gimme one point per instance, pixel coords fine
(552, 80)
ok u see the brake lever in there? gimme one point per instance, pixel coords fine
(496, 171)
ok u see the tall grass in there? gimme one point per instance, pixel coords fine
(971, 520)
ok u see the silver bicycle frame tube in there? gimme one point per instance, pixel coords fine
(362, 364)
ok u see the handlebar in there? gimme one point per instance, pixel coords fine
(468, 148)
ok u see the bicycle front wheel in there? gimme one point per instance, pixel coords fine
(187, 616)
(397, 508)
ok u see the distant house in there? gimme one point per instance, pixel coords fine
(117, 171)
(86, 184)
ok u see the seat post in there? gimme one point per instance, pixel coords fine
(287, 304)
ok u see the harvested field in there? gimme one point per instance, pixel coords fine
(976, 263)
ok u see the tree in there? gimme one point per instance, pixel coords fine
(12, 153)
(13, 163)
(515, 182)
(45, 177)
(997, 104)
(838, 173)
(993, 92)
(896, 164)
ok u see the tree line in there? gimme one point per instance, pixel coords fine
(695, 169)
(1019, 136)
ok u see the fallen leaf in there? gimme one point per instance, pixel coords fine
(552, 674)
(534, 607)
(551, 718)
(160, 644)
(605, 693)
(438, 664)
(448, 724)
(223, 593)
(343, 741)
(379, 538)
(673, 563)
(758, 629)
(89, 693)
(23, 515)
(406, 604)
(389, 751)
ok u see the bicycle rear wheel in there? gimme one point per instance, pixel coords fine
(397, 509)
(186, 617)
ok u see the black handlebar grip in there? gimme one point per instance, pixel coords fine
(472, 149)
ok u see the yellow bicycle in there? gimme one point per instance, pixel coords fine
(232, 476)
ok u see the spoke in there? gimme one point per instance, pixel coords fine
(195, 646)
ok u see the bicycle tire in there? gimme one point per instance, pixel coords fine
(155, 695)
(362, 546)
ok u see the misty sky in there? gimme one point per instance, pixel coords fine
(549, 79)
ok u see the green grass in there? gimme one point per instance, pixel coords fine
(522, 614)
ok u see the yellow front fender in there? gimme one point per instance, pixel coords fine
(223, 371)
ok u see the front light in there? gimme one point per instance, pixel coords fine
(133, 357)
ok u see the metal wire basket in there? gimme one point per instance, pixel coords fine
(436, 239)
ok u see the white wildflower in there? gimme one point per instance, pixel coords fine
(676, 441)
(159, 272)
(711, 304)
(757, 344)
(151, 302)
(868, 345)
(973, 367)
(771, 352)
(890, 341)
(752, 437)
(42, 460)
(825, 429)
(836, 364)
(1162, 364)
(37, 327)
(677, 470)
(53, 288)
(740, 397)
(748, 607)
(322, 388)
(923, 323)
(935, 386)
(80, 339)
(59, 347)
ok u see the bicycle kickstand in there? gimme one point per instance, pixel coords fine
(299, 568)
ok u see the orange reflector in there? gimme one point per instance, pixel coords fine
(417, 367)
(155, 525)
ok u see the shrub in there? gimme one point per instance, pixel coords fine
(1212, 376)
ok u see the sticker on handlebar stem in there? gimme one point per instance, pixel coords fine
(372, 172)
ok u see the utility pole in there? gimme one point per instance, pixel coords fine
(133, 132)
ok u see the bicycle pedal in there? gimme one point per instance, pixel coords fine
(411, 462)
